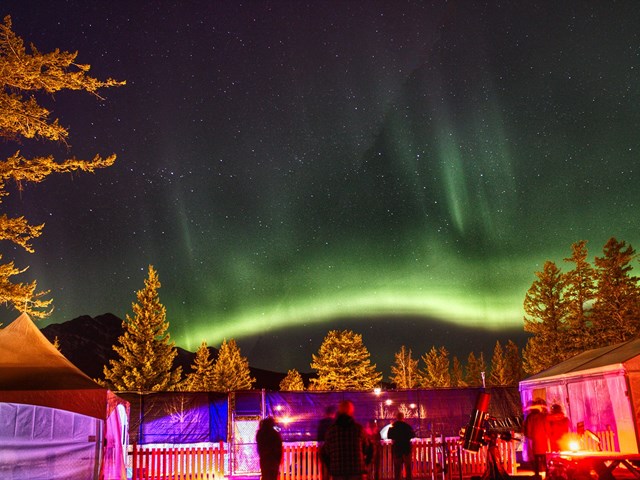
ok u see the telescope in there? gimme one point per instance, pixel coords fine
(473, 434)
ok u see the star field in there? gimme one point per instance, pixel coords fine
(399, 168)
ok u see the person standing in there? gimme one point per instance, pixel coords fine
(535, 430)
(558, 429)
(373, 432)
(347, 449)
(323, 426)
(269, 449)
(401, 434)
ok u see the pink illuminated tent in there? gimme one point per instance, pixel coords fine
(55, 421)
(598, 389)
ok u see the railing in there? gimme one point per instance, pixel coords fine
(433, 458)
(600, 441)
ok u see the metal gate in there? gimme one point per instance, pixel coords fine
(247, 409)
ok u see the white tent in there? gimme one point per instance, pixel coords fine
(55, 421)
(598, 389)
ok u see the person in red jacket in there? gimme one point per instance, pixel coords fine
(558, 429)
(535, 430)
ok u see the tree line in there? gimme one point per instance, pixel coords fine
(145, 358)
(589, 306)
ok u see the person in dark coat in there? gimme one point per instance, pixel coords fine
(347, 449)
(269, 449)
(323, 426)
(401, 434)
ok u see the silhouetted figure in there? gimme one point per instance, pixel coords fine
(324, 424)
(373, 432)
(346, 446)
(269, 449)
(401, 434)
(495, 468)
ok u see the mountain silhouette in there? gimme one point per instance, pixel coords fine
(87, 342)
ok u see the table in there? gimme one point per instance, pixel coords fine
(584, 465)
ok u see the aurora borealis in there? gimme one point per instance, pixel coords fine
(399, 168)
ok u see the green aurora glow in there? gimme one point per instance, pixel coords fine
(288, 165)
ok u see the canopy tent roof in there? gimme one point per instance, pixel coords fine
(620, 356)
(33, 371)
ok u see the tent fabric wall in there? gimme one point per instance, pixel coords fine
(598, 388)
(47, 443)
(34, 372)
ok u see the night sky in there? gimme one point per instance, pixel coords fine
(398, 168)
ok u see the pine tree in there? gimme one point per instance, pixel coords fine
(292, 382)
(231, 370)
(499, 374)
(616, 313)
(545, 316)
(514, 363)
(404, 370)
(201, 377)
(23, 75)
(475, 370)
(457, 373)
(145, 351)
(436, 372)
(343, 363)
(580, 292)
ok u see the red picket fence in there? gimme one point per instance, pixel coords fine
(433, 458)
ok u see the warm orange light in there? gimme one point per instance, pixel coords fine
(285, 420)
(574, 445)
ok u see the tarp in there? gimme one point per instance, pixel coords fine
(441, 411)
(597, 389)
(33, 372)
(177, 417)
(191, 417)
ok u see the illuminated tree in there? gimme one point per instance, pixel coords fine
(343, 363)
(546, 312)
(231, 370)
(405, 370)
(457, 373)
(499, 374)
(292, 382)
(23, 75)
(514, 363)
(580, 292)
(201, 377)
(475, 369)
(616, 313)
(436, 372)
(145, 351)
